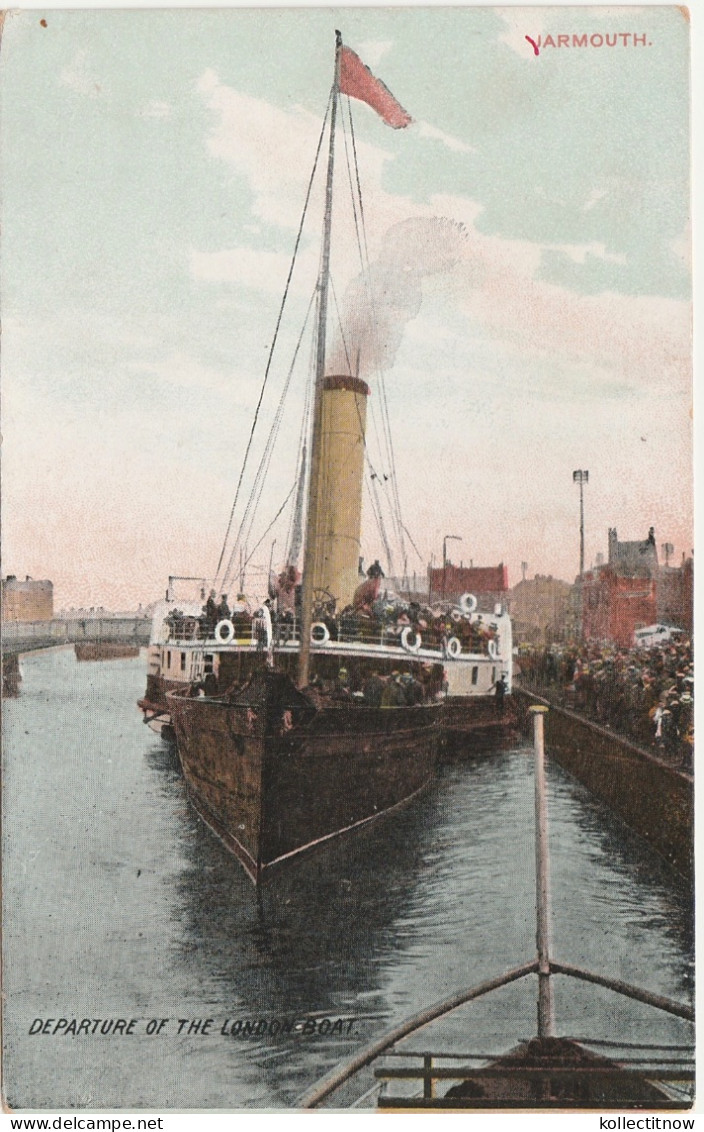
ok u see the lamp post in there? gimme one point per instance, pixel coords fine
(458, 538)
(581, 477)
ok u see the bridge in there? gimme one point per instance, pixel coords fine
(26, 636)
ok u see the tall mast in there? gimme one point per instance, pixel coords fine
(294, 549)
(313, 501)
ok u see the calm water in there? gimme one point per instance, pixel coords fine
(119, 903)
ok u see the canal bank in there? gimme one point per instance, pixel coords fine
(654, 799)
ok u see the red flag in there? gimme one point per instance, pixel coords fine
(357, 81)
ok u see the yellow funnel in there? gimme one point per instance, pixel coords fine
(337, 490)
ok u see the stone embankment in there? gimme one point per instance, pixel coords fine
(651, 796)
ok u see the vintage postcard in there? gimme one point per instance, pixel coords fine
(348, 693)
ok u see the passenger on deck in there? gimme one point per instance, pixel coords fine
(413, 689)
(210, 611)
(373, 690)
(285, 625)
(393, 694)
(500, 689)
(349, 623)
(375, 570)
(223, 610)
(328, 619)
(341, 690)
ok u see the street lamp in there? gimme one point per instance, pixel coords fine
(581, 477)
(458, 538)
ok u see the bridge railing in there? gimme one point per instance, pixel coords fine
(60, 630)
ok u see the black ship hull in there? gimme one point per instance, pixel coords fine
(274, 774)
(476, 724)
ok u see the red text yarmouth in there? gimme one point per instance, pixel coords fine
(597, 39)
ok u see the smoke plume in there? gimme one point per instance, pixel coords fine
(376, 309)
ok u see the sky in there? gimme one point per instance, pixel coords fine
(530, 248)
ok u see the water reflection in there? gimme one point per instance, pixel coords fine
(126, 902)
(653, 901)
(314, 932)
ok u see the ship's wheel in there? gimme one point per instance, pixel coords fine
(321, 599)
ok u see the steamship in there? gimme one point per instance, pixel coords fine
(306, 716)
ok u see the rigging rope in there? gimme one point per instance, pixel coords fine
(339, 321)
(266, 532)
(274, 339)
(395, 503)
(396, 508)
(265, 461)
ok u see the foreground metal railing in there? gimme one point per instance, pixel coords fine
(428, 1072)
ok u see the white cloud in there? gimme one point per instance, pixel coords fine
(372, 51)
(181, 369)
(518, 23)
(455, 144)
(643, 341)
(273, 149)
(249, 267)
(594, 197)
(578, 252)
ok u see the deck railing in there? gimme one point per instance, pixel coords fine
(331, 632)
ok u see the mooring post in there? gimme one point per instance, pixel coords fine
(546, 1014)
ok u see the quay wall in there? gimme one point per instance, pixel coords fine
(654, 799)
(22, 636)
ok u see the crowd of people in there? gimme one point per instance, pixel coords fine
(433, 626)
(396, 689)
(188, 627)
(645, 694)
(386, 616)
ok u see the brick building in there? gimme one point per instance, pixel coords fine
(675, 596)
(635, 559)
(489, 584)
(26, 600)
(614, 606)
(621, 596)
(539, 609)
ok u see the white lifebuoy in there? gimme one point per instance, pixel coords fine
(468, 603)
(493, 651)
(406, 635)
(224, 632)
(456, 616)
(454, 647)
(319, 633)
